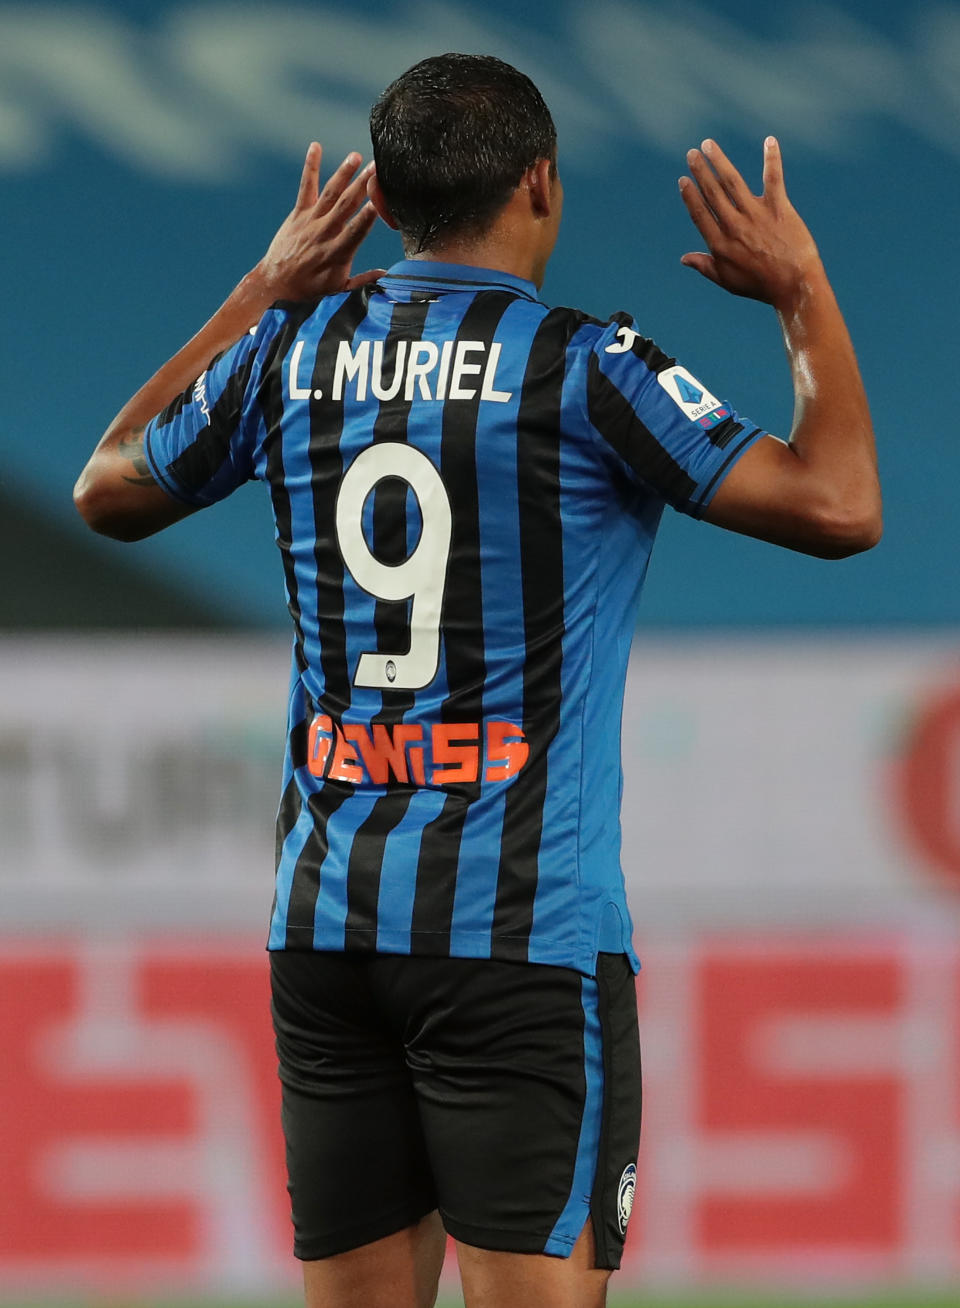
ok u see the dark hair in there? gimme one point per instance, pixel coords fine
(452, 136)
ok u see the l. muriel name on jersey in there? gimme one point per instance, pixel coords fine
(451, 370)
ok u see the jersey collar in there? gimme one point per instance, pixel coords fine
(427, 275)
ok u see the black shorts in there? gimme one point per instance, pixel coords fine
(506, 1095)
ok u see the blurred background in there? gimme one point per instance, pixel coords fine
(792, 729)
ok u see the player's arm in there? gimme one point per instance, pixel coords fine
(818, 493)
(310, 256)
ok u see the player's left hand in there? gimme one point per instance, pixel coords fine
(757, 245)
(312, 252)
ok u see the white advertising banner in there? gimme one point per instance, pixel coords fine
(794, 780)
(139, 780)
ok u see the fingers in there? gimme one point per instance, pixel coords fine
(713, 193)
(773, 187)
(733, 184)
(721, 198)
(702, 215)
(310, 177)
(356, 229)
(338, 183)
(354, 195)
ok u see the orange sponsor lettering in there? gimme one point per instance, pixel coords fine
(507, 751)
(345, 765)
(385, 753)
(464, 759)
(319, 740)
(406, 751)
(403, 734)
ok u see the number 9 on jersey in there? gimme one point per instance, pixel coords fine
(420, 577)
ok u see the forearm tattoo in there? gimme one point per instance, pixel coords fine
(130, 446)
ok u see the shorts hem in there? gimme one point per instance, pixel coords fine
(499, 1240)
(355, 1237)
(607, 1256)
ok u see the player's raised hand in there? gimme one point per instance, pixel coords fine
(312, 252)
(758, 245)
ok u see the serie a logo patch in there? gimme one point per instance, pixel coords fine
(625, 1192)
(692, 397)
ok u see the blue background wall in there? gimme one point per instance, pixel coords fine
(148, 151)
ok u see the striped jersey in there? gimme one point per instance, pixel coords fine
(466, 486)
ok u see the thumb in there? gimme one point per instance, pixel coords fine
(705, 264)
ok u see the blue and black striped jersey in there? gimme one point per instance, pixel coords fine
(466, 486)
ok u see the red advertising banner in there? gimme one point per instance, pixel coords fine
(802, 1114)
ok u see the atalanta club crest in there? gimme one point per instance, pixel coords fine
(625, 1193)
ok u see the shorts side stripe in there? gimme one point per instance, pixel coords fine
(577, 1209)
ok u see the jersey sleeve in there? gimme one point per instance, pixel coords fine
(671, 433)
(201, 448)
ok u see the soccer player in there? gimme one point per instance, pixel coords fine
(466, 486)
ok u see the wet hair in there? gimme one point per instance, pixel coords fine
(452, 136)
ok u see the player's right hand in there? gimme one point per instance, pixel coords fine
(758, 245)
(312, 252)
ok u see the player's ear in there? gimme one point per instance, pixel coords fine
(378, 200)
(538, 181)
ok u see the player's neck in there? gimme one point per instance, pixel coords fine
(506, 247)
